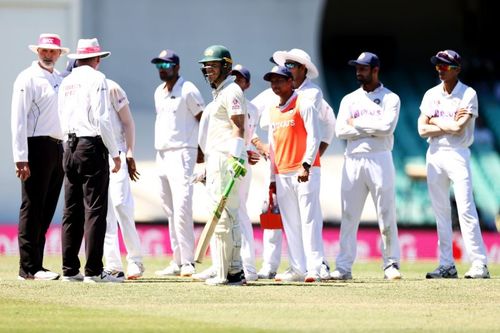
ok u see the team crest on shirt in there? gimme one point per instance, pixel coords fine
(236, 104)
(376, 101)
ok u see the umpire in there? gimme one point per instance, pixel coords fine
(88, 136)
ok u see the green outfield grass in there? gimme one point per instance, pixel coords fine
(365, 304)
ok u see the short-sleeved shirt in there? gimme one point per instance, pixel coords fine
(216, 126)
(117, 100)
(176, 125)
(34, 108)
(438, 103)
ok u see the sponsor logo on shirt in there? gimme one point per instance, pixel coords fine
(367, 113)
(282, 124)
(236, 104)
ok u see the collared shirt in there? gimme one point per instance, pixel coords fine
(34, 108)
(294, 135)
(176, 125)
(84, 106)
(375, 117)
(117, 100)
(438, 103)
(216, 129)
(326, 117)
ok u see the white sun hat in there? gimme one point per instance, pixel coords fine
(88, 48)
(49, 41)
(299, 56)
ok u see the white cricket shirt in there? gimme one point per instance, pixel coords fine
(216, 127)
(438, 103)
(117, 100)
(34, 108)
(375, 117)
(176, 125)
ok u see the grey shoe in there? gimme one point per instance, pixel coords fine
(341, 275)
(443, 272)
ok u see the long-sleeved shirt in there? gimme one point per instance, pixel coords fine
(438, 103)
(84, 106)
(34, 108)
(375, 115)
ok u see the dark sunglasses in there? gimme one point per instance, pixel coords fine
(291, 65)
(165, 65)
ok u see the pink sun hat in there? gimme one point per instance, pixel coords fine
(49, 41)
(88, 48)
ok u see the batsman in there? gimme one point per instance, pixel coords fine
(221, 140)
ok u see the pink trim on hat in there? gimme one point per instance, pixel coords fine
(49, 40)
(88, 49)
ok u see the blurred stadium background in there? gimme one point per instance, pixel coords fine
(404, 34)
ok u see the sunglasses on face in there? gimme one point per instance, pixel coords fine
(291, 65)
(445, 68)
(165, 65)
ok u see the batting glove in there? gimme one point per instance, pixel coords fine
(236, 167)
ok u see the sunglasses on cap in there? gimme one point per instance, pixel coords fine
(291, 65)
(165, 65)
(445, 67)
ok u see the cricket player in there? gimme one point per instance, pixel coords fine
(448, 113)
(179, 107)
(221, 139)
(303, 71)
(120, 199)
(295, 176)
(367, 119)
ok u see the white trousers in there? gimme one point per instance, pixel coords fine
(247, 238)
(227, 235)
(362, 174)
(271, 253)
(121, 210)
(175, 168)
(302, 220)
(446, 166)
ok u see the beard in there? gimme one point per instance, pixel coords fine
(364, 79)
(167, 76)
(47, 63)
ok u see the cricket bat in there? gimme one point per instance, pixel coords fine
(208, 230)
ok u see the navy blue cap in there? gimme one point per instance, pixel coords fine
(366, 59)
(449, 57)
(278, 70)
(241, 70)
(166, 56)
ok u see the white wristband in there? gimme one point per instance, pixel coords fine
(236, 147)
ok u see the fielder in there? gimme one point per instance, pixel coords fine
(179, 108)
(448, 113)
(367, 119)
(120, 199)
(221, 139)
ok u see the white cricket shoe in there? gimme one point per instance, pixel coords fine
(289, 276)
(171, 270)
(391, 272)
(265, 274)
(477, 271)
(251, 276)
(340, 275)
(187, 270)
(74, 278)
(104, 277)
(45, 275)
(205, 275)
(324, 272)
(312, 277)
(135, 270)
